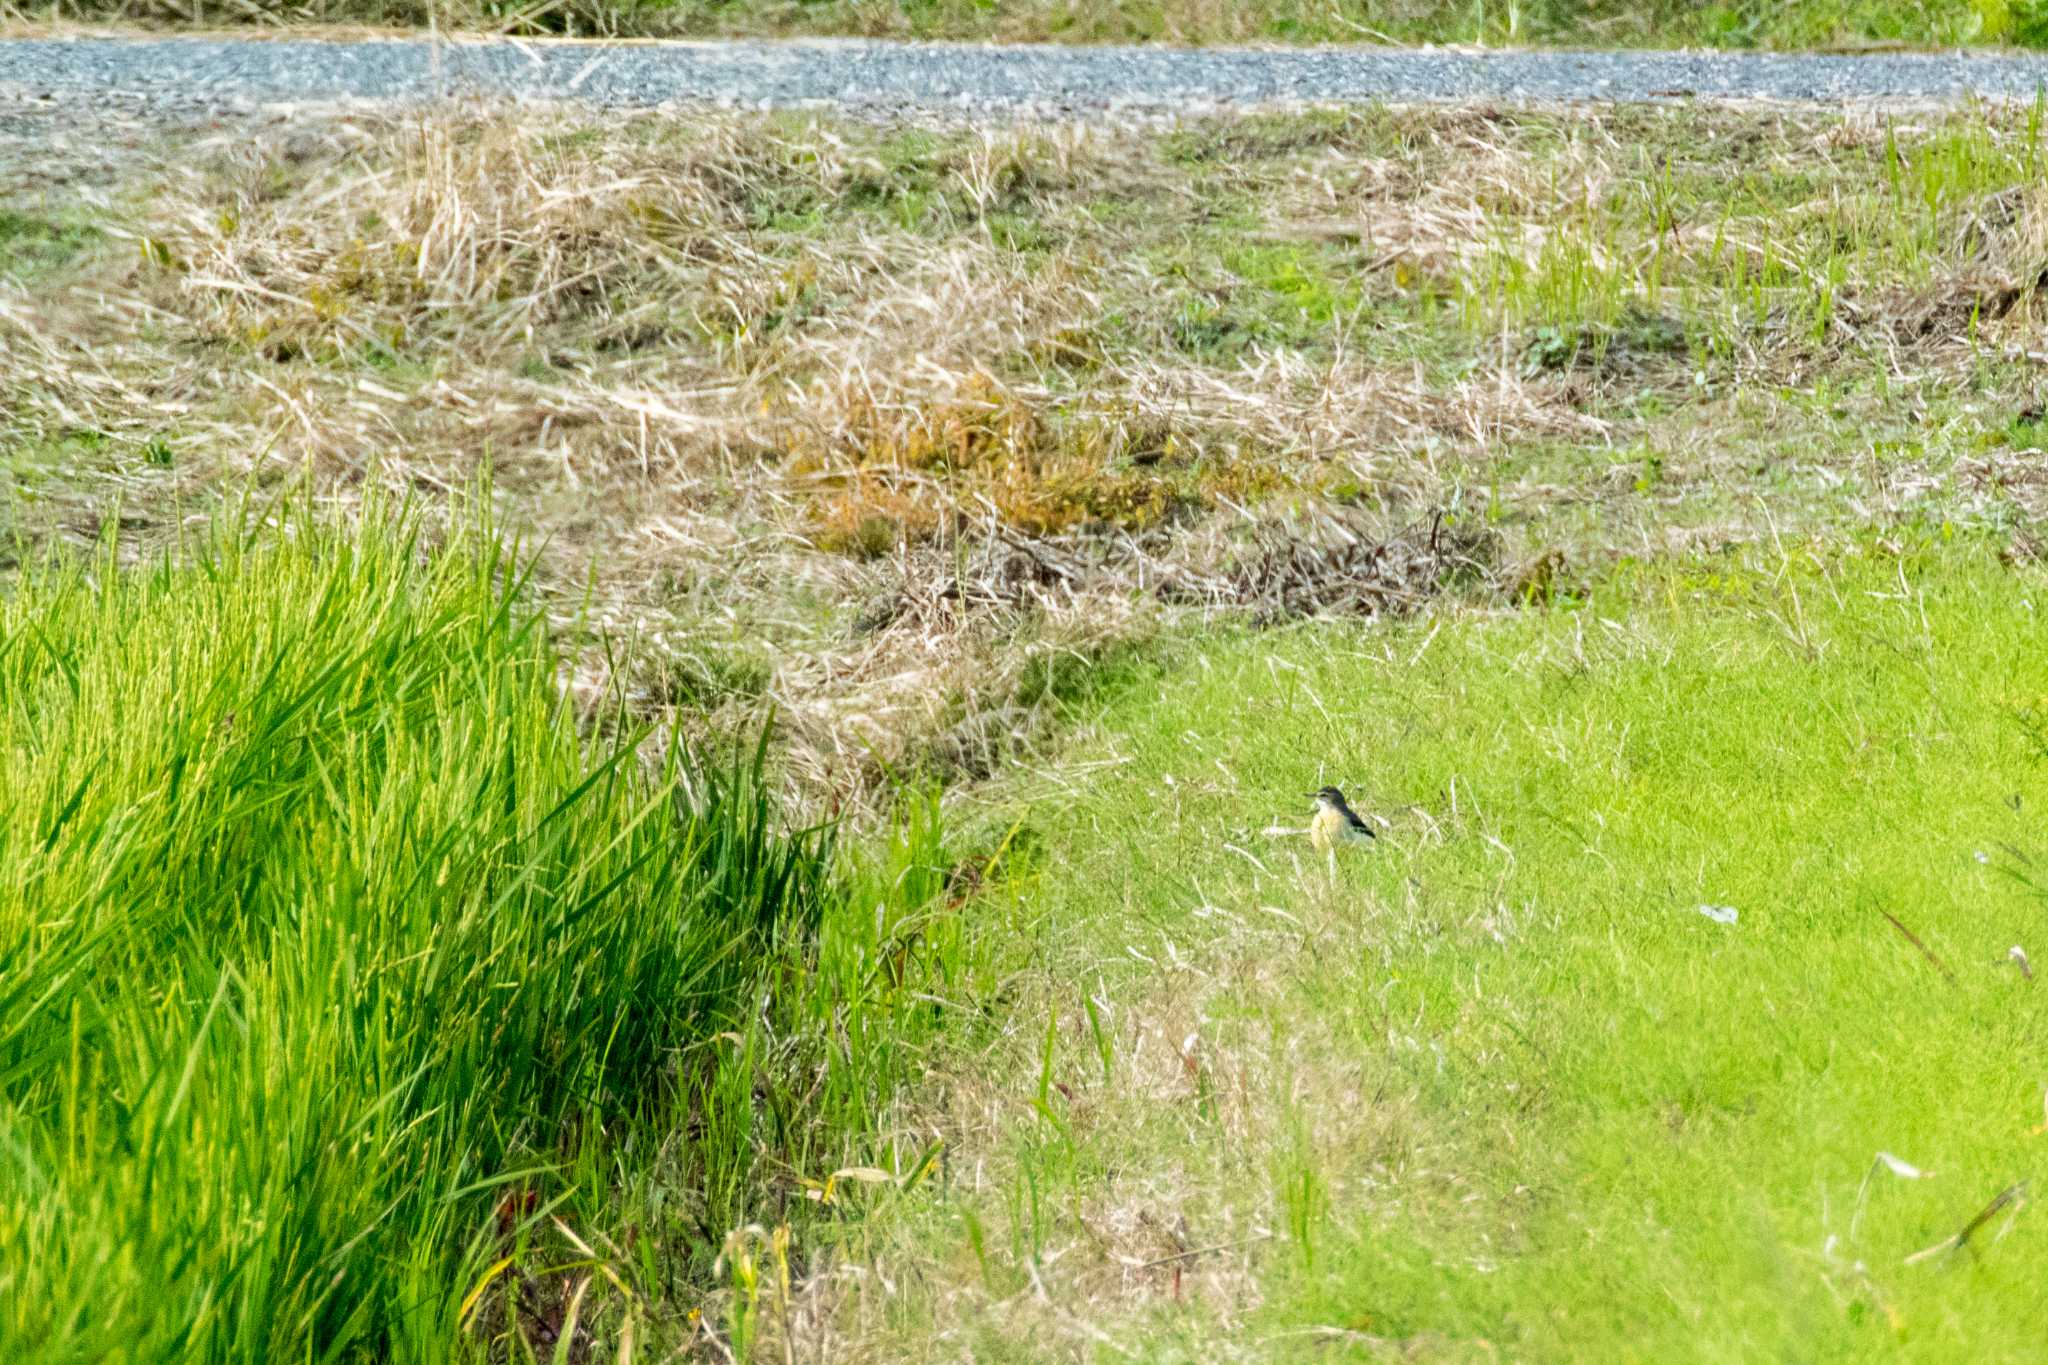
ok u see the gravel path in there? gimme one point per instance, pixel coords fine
(166, 74)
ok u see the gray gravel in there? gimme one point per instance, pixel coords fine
(174, 73)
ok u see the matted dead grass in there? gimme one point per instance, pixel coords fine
(751, 377)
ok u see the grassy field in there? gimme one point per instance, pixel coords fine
(1498, 1088)
(1636, 508)
(1575, 23)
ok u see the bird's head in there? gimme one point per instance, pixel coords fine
(1328, 796)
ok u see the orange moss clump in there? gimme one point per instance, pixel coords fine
(890, 473)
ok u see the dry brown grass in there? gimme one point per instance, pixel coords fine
(751, 377)
(608, 329)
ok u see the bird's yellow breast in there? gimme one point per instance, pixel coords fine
(1327, 829)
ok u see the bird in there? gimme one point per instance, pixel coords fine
(1335, 822)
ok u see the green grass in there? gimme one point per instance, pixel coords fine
(354, 1001)
(31, 243)
(1136, 1067)
(1498, 1081)
(1584, 23)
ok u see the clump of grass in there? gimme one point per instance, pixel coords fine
(476, 232)
(340, 966)
(913, 471)
(705, 676)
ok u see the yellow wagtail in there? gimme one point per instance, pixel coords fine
(1336, 823)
